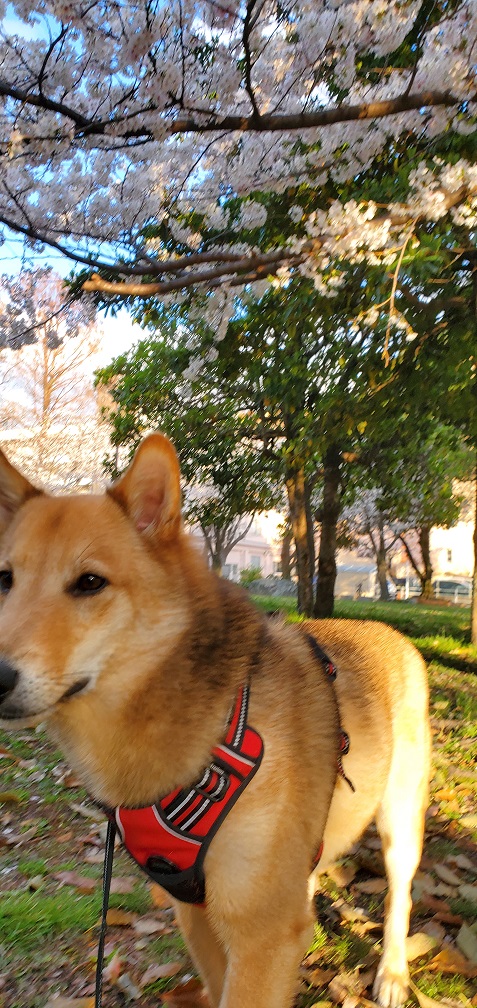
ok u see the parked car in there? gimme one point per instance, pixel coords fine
(458, 590)
(455, 591)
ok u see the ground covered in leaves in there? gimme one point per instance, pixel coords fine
(51, 841)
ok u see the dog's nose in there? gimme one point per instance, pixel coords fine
(8, 679)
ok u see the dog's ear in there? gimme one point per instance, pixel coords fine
(15, 489)
(150, 490)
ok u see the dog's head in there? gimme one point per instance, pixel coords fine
(85, 585)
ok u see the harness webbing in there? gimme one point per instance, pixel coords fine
(194, 814)
(331, 671)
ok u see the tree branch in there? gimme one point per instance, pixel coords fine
(207, 121)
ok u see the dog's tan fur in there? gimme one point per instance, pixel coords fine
(164, 647)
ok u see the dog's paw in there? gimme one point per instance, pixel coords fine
(390, 988)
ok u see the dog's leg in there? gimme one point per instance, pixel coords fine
(400, 822)
(266, 949)
(205, 950)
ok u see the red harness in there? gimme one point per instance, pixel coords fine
(169, 840)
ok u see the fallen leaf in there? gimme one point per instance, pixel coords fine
(161, 972)
(419, 944)
(434, 929)
(434, 904)
(342, 874)
(424, 1000)
(345, 984)
(468, 892)
(469, 822)
(450, 960)
(80, 882)
(61, 1002)
(70, 780)
(123, 884)
(187, 995)
(6, 752)
(461, 861)
(349, 913)
(467, 942)
(148, 925)
(10, 798)
(128, 987)
(445, 794)
(35, 883)
(319, 977)
(374, 885)
(86, 811)
(65, 837)
(160, 897)
(112, 970)
(447, 875)
(119, 918)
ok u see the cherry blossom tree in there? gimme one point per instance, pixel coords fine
(118, 118)
(50, 423)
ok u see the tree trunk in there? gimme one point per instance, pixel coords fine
(426, 575)
(330, 511)
(473, 613)
(216, 560)
(285, 553)
(296, 490)
(381, 563)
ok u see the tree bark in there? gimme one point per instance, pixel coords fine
(285, 553)
(473, 613)
(426, 575)
(297, 502)
(330, 511)
(381, 563)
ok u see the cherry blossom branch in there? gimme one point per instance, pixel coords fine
(207, 121)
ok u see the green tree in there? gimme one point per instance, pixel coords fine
(224, 478)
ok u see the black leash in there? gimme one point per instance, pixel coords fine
(107, 873)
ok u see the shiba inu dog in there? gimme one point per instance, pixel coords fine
(114, 632)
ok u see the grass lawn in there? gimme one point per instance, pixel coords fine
(51, 842)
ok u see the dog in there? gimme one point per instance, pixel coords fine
(115, 633)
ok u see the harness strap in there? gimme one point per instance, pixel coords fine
(107, 873)
(331, 672)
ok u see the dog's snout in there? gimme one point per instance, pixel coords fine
(8, 679)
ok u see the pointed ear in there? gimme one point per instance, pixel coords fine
(150, 490)
(15, 489)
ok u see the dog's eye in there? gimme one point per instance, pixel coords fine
(88, 584)
(6, 581)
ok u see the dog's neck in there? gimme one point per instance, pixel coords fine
(134, 746)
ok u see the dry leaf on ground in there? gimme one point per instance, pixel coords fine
(123, 884)
(161, 972)
(187, 995)
(450, 960)
(119, 918)
(420, 944)
(447, 875)
(467, 942)
(345, 984)
(61, 1002)
(160, 897)
(148, 925)
(112, 970)
(342, 874)
(319, 977)
(80, 882)
(370, 886)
